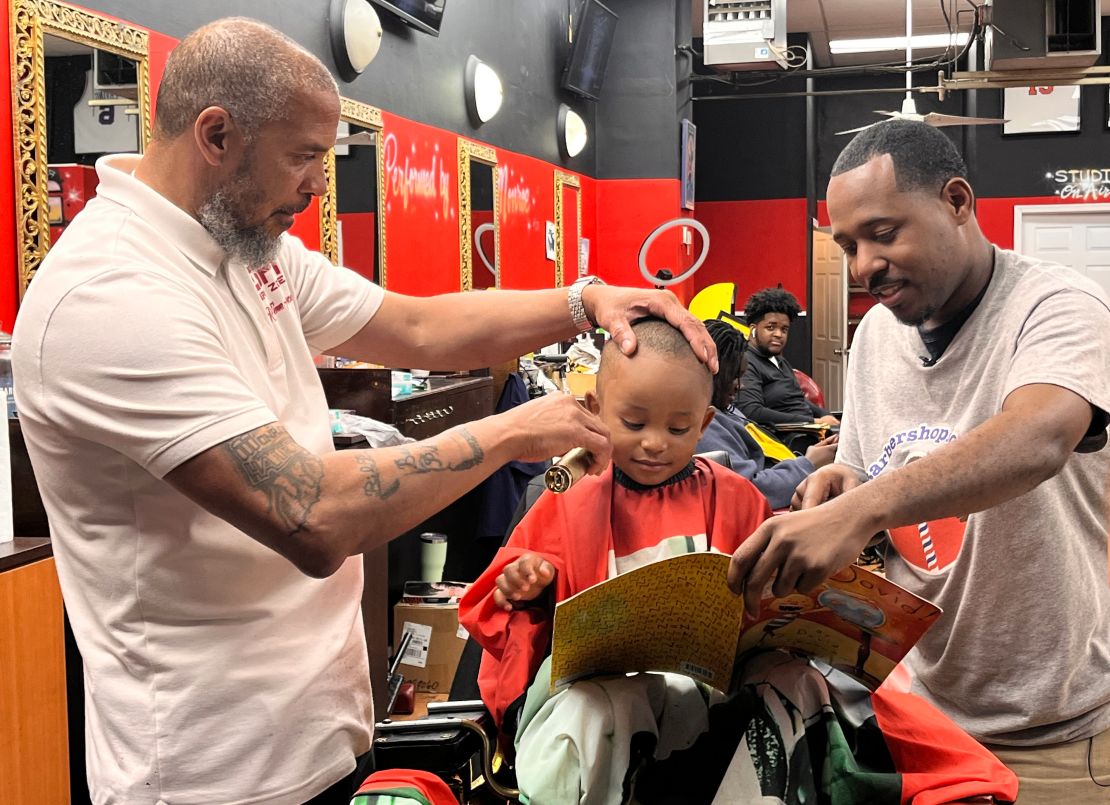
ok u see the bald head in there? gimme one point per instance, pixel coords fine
(654, 337)
(241, 65)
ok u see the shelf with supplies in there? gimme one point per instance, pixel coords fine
(449, 400)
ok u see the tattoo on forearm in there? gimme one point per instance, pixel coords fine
(422, 460)
(285, 472)
(477, 455)
(427, 460)
(372, 487)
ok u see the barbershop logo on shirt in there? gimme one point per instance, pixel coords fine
(934, 545)
(270, 283)
(931, 546)
(915, 441)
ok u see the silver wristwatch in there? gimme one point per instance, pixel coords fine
(582, 322)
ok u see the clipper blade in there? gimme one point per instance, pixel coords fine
(568, 470)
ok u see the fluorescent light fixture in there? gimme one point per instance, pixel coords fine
(885, 43)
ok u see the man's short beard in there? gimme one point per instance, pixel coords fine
(919, 319)
(221, 214)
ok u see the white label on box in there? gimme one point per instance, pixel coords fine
(462, 634)
(416, 654)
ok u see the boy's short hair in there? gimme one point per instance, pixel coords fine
(660, 337)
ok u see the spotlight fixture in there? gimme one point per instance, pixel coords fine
(483, 91)
(572, 132)
(356, 35)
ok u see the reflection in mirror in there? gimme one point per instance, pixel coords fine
(91, 110)
(568, 227)
(478, 216)
(80, 85)
(356, 201)
(356, 208)
(483, 226)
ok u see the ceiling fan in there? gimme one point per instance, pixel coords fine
(909, 108)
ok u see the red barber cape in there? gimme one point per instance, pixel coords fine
(584, 532)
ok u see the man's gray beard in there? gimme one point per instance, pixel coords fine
(251, 245)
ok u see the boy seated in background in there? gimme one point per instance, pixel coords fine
(656, 500)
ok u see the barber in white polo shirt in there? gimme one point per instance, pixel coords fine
(206, 534)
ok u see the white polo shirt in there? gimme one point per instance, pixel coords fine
(215, 671)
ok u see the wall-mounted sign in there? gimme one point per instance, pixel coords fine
(1040, 110)
(1087, 184)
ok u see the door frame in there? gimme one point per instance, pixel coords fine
(1021, 210)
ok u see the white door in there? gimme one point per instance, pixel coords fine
(829, 318)
(1076, 235)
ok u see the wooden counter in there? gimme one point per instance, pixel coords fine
(34, 755)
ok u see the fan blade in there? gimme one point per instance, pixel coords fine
(359, 138)
(937, 119)
(861, 128)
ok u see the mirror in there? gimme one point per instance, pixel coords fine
(568, 227)
(352, 228)
(483, 242)
(479, 242)
(81, 85)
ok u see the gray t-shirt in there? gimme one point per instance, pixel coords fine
(1021, 655)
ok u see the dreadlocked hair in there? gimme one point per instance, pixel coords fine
(731, 346)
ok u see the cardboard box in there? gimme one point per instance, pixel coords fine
(436, 645)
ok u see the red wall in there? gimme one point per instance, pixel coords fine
(360, 233)
(755, 244)
(9, 288)
(526, 190)
(627, 212)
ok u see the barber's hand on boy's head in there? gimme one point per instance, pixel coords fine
(523, 580)
(616, 308)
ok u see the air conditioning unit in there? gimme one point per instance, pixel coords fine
(744, 34)
(1030, 34)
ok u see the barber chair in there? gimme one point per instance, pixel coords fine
(810, 388)
(458, 740)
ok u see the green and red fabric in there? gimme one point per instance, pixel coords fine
(403, 787)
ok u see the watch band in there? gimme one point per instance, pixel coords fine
(582, 322)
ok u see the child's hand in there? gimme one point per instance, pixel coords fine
(523, 580)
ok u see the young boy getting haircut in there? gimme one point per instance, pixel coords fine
(654, 501)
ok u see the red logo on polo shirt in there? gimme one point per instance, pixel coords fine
(270, 283)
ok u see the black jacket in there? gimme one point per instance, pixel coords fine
(770, 394)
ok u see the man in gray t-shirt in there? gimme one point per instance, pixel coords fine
(975, 418)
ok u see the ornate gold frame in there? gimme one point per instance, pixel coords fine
(565, 180)
(369, 117)
(30, 20)
(469, 150)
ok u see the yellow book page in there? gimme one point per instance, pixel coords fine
(678, 615)
(674, 615)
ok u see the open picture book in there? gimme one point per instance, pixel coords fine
(678, 615)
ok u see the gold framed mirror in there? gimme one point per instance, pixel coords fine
(568, 190)
(478, 174)
(117, 83)
(352, 219)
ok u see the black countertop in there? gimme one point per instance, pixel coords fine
(23, 551)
